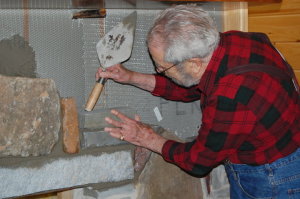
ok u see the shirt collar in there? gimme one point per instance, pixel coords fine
(209, 76)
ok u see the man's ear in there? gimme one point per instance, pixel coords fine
(196, 64)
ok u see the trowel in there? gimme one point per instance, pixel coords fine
(115, 47)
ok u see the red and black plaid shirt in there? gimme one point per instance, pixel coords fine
(247, 119)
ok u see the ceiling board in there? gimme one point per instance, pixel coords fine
(85, 4)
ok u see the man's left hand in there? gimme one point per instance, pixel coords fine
(135, 132)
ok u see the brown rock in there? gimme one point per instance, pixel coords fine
(70, 125)
(141, 157)
(29, 116)
(161, 180)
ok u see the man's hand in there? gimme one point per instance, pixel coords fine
(135, 132)
(116, 72)
(122, 75)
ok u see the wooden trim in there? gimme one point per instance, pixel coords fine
(26, 20)
(235, 16)
(69, 194)
(88, 4)
(101, 13)
(261, 1)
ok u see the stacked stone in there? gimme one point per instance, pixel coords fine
(37, 124)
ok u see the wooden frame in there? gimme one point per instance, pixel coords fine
(266, 1)
(235, 16)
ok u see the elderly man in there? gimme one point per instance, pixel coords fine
(249, 101)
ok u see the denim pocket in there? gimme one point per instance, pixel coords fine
(288, 177)
(280, 179)
(294, 193)
(255, 184)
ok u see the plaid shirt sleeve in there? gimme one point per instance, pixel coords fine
(171, 91)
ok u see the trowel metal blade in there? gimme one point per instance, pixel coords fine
(116, 46)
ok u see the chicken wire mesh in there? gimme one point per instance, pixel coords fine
(65, 50)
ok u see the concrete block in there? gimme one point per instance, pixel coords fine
(96, 118)
(29, 116)
(57, 174)
(70, 125)
(98, 139)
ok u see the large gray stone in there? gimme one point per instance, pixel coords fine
(29, 116)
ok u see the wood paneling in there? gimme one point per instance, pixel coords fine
(280, 28)
(42, 196)
(291, 51)
(285, 7)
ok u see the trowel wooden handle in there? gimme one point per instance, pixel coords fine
(95, 94)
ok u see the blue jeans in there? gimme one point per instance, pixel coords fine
(278, 180)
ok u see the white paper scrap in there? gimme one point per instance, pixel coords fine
(157, 114)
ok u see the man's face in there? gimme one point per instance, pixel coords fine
(179, 73)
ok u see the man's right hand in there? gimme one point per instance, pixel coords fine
(122, 75)
(116, 72)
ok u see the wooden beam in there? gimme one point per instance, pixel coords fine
(235, 16)
(219, 0)
(101, 3)
(88, 4)
(90, 14)
(65, 194)
(41, 196)
(26, 20)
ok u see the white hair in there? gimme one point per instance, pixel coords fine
(185, 31)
